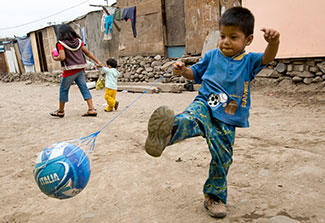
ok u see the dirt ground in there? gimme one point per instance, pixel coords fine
(277, 174)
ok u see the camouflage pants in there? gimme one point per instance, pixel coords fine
(197, 121)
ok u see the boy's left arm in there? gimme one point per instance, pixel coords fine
(272, 37)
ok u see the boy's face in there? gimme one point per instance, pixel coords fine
(233, 40)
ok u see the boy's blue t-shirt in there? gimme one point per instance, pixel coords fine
(226, 84)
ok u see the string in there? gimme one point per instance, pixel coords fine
(135, 100)
(90, 139)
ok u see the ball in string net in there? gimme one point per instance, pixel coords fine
(62, 170)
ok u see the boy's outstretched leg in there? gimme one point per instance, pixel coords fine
(159, 130)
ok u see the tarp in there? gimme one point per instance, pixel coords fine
(25, 48)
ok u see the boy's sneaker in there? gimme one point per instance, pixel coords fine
(159, 130)
(215, 207)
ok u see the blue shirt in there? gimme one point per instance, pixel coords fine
(226, 84)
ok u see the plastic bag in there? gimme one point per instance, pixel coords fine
(100, 84)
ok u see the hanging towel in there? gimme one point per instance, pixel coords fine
(118, 14)
(130, 13)
(108, 23)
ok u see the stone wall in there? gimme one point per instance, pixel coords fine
(307, 71)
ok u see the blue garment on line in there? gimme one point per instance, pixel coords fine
(130, 13)
(108, 23)
(25, 48)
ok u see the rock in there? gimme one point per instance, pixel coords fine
(139, 70)
(321, 66)
(168, 65)
(156, 63)
(297, 79)
(281, 67)
(190, 60)
(149, 69)
(317, 79)
(308, 80)
(158, 57)
(266, 72)
(300, 74)
(314, 69)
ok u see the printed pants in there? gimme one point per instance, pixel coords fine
(197, 121)
(109, 96)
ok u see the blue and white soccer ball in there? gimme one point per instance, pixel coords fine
(62, 170)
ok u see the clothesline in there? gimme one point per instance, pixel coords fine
(120, 14)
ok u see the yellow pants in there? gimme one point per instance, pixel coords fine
(109, 96)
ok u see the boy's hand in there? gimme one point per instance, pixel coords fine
(271, 36)
(179, 68)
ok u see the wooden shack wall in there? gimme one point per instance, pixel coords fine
(102, 49)
(201, 17)
(49, 42)
(150, 39)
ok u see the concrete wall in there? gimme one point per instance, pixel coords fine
(300, 23)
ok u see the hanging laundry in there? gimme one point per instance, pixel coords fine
(25, 48)
(130, 13)
(83, 36)
(118, 14)
(109, 23)
(108, 35)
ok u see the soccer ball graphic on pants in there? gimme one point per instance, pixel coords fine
(62, 170)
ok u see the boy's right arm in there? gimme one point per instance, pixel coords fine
(272, 37)
(181, 69)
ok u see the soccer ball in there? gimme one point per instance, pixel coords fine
(62, 170)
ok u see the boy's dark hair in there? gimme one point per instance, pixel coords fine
(111, 62)
(239, 16)
(67, 33)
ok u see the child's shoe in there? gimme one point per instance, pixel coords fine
(215, 207)
(116, 105)
(108, 109)
(159, 130)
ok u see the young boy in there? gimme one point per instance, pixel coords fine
(222, 103)
(111, 75)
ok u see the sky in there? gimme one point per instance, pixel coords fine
(20, 17)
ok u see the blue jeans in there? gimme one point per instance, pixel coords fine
(80, 80)
(220, 137)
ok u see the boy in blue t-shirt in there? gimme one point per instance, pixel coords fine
(222, 103)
